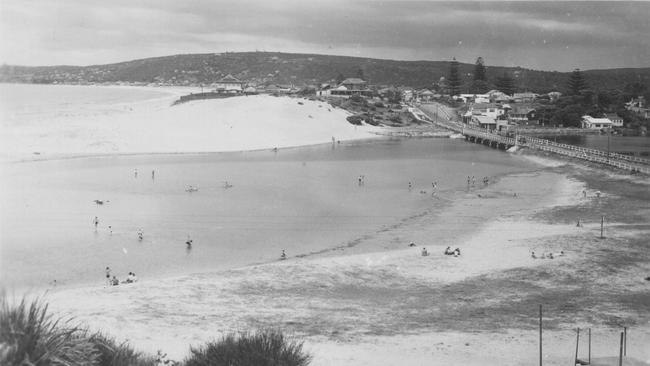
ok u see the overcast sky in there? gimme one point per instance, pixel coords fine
(549, 35)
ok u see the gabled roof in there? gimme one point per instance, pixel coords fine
(485, 120)
(353, 81)
(229, 79)
(521, 109)
(612, 116)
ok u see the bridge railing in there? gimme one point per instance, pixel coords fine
(614, 159)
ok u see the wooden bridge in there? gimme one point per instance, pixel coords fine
(444, 118)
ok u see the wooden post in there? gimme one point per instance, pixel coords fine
(577, 343)
(602, 223)
(620, 353)
(540, 334)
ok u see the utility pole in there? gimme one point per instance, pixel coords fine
(540, 334)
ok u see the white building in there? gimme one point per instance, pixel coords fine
(229, 84)
(591, 122)
(616, 120)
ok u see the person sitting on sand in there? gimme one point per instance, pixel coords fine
(108, 275)
(550, 255)
(283, 255)
(189, 241)
(411, 244)
(140, 234)
(532, 255)
(425, 252)
(115, 281)
(456, 252)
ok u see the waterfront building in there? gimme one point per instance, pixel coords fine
(229, 85)
(595, 123)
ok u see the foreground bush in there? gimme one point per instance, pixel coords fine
(112, 353)
(29, 336)
(264, 348)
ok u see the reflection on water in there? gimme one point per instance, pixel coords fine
(301, 200)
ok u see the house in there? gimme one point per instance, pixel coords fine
(616, 120)
(486, 109)
(478, 98)
(496, 95)
(524, 97)
(425, 96)
(595, 123)
(522, 115)
(351, 86)
(228, 85)
(554, 96)
(484, 122)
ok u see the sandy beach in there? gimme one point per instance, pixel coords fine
(379, 302)
(376, 300)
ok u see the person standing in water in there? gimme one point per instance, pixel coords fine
(410, 186)
(96, 222)
(135, 172)
(153, 174)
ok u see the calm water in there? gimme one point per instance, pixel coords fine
(301, 200)
(635, 145)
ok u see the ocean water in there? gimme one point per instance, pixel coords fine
(301, 200)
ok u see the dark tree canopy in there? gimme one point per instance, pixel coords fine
(479, 70)
(576, 82)
(339, 78)
(506, 84)
(454, 82)
(360, 74)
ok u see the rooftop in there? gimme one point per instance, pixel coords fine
(353, 81)
(229, 79)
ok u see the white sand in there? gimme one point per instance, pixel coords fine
(154, 126)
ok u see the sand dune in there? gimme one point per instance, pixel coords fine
(153, 125)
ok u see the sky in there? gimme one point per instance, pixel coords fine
(553, 35)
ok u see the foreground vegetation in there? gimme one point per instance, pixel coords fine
(30, 336)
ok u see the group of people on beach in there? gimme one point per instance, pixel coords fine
(455, 252)
(547, 255)
(112, 280)
(425, 253)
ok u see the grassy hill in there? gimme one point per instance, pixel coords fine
(301, 69)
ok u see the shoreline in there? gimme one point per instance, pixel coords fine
(360, 260)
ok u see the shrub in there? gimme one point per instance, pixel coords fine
(29, 336)
(263, 348)
(112, 353)
(355, 120)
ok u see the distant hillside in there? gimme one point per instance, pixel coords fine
(301, 69)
